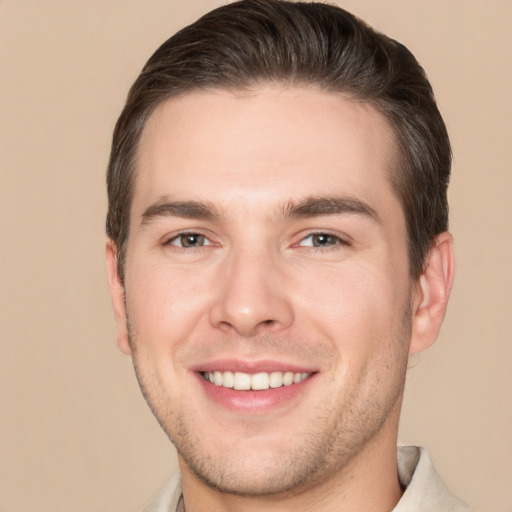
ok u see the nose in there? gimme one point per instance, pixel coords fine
(252, 297)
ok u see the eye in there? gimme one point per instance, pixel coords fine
(321, 240)
(189, 240)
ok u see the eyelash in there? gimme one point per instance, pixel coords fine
(169, 242)
(338, 241)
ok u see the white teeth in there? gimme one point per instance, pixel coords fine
(228, 380)
(288, 378)
(257, 381)
(298, 377)
(242, 381)
(260, 381)
(276, 380)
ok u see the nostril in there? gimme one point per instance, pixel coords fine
(265, 325)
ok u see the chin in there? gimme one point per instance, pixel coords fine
(259, 476)
(263, 466)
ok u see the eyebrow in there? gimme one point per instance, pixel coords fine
(186, 209)
(317, 206)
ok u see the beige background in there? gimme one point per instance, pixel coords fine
(75, 434)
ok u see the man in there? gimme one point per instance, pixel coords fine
(277, 247)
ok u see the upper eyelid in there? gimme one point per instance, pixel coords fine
(194, 231)
(343, 237)
(326, 233)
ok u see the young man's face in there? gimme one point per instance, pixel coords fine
(267, 246)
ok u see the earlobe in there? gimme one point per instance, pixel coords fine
(432, 293)
(118, 299)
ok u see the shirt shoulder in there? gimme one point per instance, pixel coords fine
(424, 489)
(168, 498)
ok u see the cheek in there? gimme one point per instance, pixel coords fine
(362, 312)
(351, 297)
(163, 313)
(163, 305)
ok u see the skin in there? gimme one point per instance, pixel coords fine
(259, 172)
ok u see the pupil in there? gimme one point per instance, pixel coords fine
(191, 240)
(320, 240)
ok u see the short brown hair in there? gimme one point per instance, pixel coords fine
(259, 41)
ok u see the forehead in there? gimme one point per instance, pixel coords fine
(264, 145)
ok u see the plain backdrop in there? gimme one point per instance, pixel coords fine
(75, 434)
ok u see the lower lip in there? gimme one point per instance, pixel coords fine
(253, 401)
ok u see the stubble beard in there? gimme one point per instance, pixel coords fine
(329, 444)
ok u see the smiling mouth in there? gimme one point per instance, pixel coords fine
(254, 382)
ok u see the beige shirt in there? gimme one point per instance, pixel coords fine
(424, 489)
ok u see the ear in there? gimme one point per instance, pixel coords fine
(118, 299)
(432, 292)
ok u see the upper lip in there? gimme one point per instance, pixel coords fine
(251, 366)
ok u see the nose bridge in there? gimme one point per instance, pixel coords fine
(251, 296)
